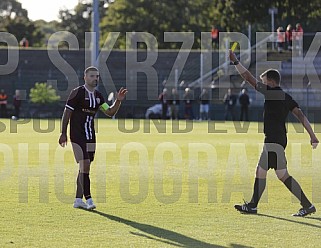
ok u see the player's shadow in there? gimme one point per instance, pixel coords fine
(157, 233)
(294, 221)
(162, 235)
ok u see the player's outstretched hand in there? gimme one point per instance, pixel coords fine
(121, 94)
(63, 140)
(314, 142)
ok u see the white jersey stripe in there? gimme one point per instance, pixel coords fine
(86, 128)
(90, 100)
(71, 108)
(93, 100)
(89, 125)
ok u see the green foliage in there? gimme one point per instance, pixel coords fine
(21, 27)
(43, 93)
(12, 8)
(78, 20)
(157, 17)
(14, 19)
(46, 29)
(238, 13)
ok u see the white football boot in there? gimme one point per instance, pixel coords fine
(78, 203)
(90, 204)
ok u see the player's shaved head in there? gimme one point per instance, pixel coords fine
(90, 68)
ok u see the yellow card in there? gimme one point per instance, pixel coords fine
(234, 46)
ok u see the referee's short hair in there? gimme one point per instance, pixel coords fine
(272, 74)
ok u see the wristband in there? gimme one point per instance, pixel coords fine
(236, 62)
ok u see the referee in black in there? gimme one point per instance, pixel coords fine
(80, 110)
(277, 105)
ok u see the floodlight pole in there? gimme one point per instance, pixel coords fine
(201, 70)
(95, 33)
(308, 102)
(272, 11)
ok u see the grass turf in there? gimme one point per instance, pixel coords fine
(155, 184)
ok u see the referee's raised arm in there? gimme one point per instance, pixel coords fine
(245, 74)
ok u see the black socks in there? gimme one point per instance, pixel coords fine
(296, 190)
(290, 183)
(259, 187)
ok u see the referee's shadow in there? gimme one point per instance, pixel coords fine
(294, 220)
(162, 235)
(313, 218)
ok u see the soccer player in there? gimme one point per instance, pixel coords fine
(277, 105)
(81, 107)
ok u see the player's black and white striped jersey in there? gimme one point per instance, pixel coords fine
(84, 105)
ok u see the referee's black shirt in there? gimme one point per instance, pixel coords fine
(277, 105)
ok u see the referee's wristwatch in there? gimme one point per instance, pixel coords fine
(236, 62)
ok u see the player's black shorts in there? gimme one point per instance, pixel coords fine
(273, 154)
(83, 150)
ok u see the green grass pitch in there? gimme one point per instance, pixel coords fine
(155, 184)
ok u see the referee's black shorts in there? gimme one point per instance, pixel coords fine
(273, 154)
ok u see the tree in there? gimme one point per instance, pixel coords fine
(78, 20)
(237, 15)
(14, 19)
(46, 29)
(157, 17)
(308, 13)
(21, 27)
(11, 9)
(42, 93)
(240, 12)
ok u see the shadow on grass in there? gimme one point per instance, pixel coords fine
(294, 221)
(313, 218)
(162, 235)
